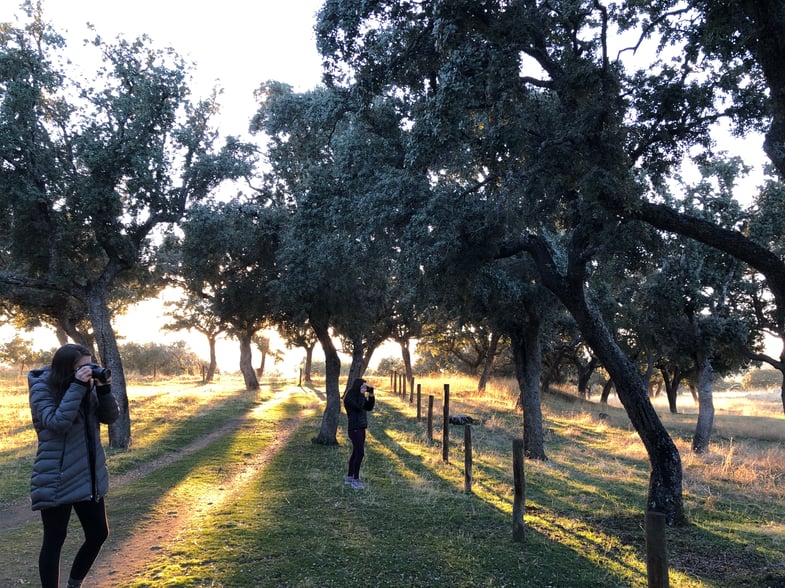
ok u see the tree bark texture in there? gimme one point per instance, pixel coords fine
(527, 354)
(606, 391)
(665, 479)
(109, 353)
(728, 240)
(584, 376)
(308, 364)
(767, 18)
(356, 368)
(700, 442)
(329, 428)
(672, 383)
(246, 365)
(210, 376)
(406, 356)
(487, 364)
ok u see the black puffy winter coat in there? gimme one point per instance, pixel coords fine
(70, 464)
(356, 406)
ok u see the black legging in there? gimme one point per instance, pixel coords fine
(357, 437)
(92, 516)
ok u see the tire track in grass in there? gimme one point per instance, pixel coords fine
(122, 562)
(18, 513)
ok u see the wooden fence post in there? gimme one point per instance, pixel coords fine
(467, 459)
(395, 383)
(519, 497)
(446, 426)
(430, 417)
(411, 391)
(419, 401)
(656, 551)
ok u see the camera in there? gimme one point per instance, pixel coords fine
(99, 373)
(369, 389)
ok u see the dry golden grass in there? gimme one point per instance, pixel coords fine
(14, 418)
(746, 455)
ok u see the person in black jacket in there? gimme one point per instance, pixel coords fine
(358, 400)
(67, 404)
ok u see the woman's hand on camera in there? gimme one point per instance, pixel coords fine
(84, 373)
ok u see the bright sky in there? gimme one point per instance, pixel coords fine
(237, 44)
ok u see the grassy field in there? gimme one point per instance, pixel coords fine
(262, 506)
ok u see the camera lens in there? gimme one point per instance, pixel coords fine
(99, 373)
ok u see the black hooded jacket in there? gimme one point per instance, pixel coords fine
(357, 406)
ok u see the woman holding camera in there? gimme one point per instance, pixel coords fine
(68, 400)
(358, 400)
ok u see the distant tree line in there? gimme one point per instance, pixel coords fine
(157, 360)
(143, 359)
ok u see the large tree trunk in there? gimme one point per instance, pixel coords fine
(651, 360)
(100, 316)
(61, 334)
(767, 20)
(606, 391)
(700, 442)
(527, 353)
(210, 376)
(262, 362)
(665, 479)
(332, 364)
(246, 364)
(584, 375)
(487, 364)
(357, 366)
(553, 366)
(672, 384)
(367, 355)
(308, 363)
(406, 356)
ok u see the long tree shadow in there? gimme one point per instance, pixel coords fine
(497, 500)
(408, 508)
(410, 501)
(169, 501)
(570, 501)
(136, 496)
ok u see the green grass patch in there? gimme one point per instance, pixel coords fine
(263, 506)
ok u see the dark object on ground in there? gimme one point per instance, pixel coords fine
(462, 419)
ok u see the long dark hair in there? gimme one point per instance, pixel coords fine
(355, 387)
(62, 371)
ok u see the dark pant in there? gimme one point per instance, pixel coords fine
(357, 437)
(92, 516)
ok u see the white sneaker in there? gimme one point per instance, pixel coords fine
(358, 485)
(348, 480)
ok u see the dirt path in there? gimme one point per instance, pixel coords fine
(19, 513)
(120, 561)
